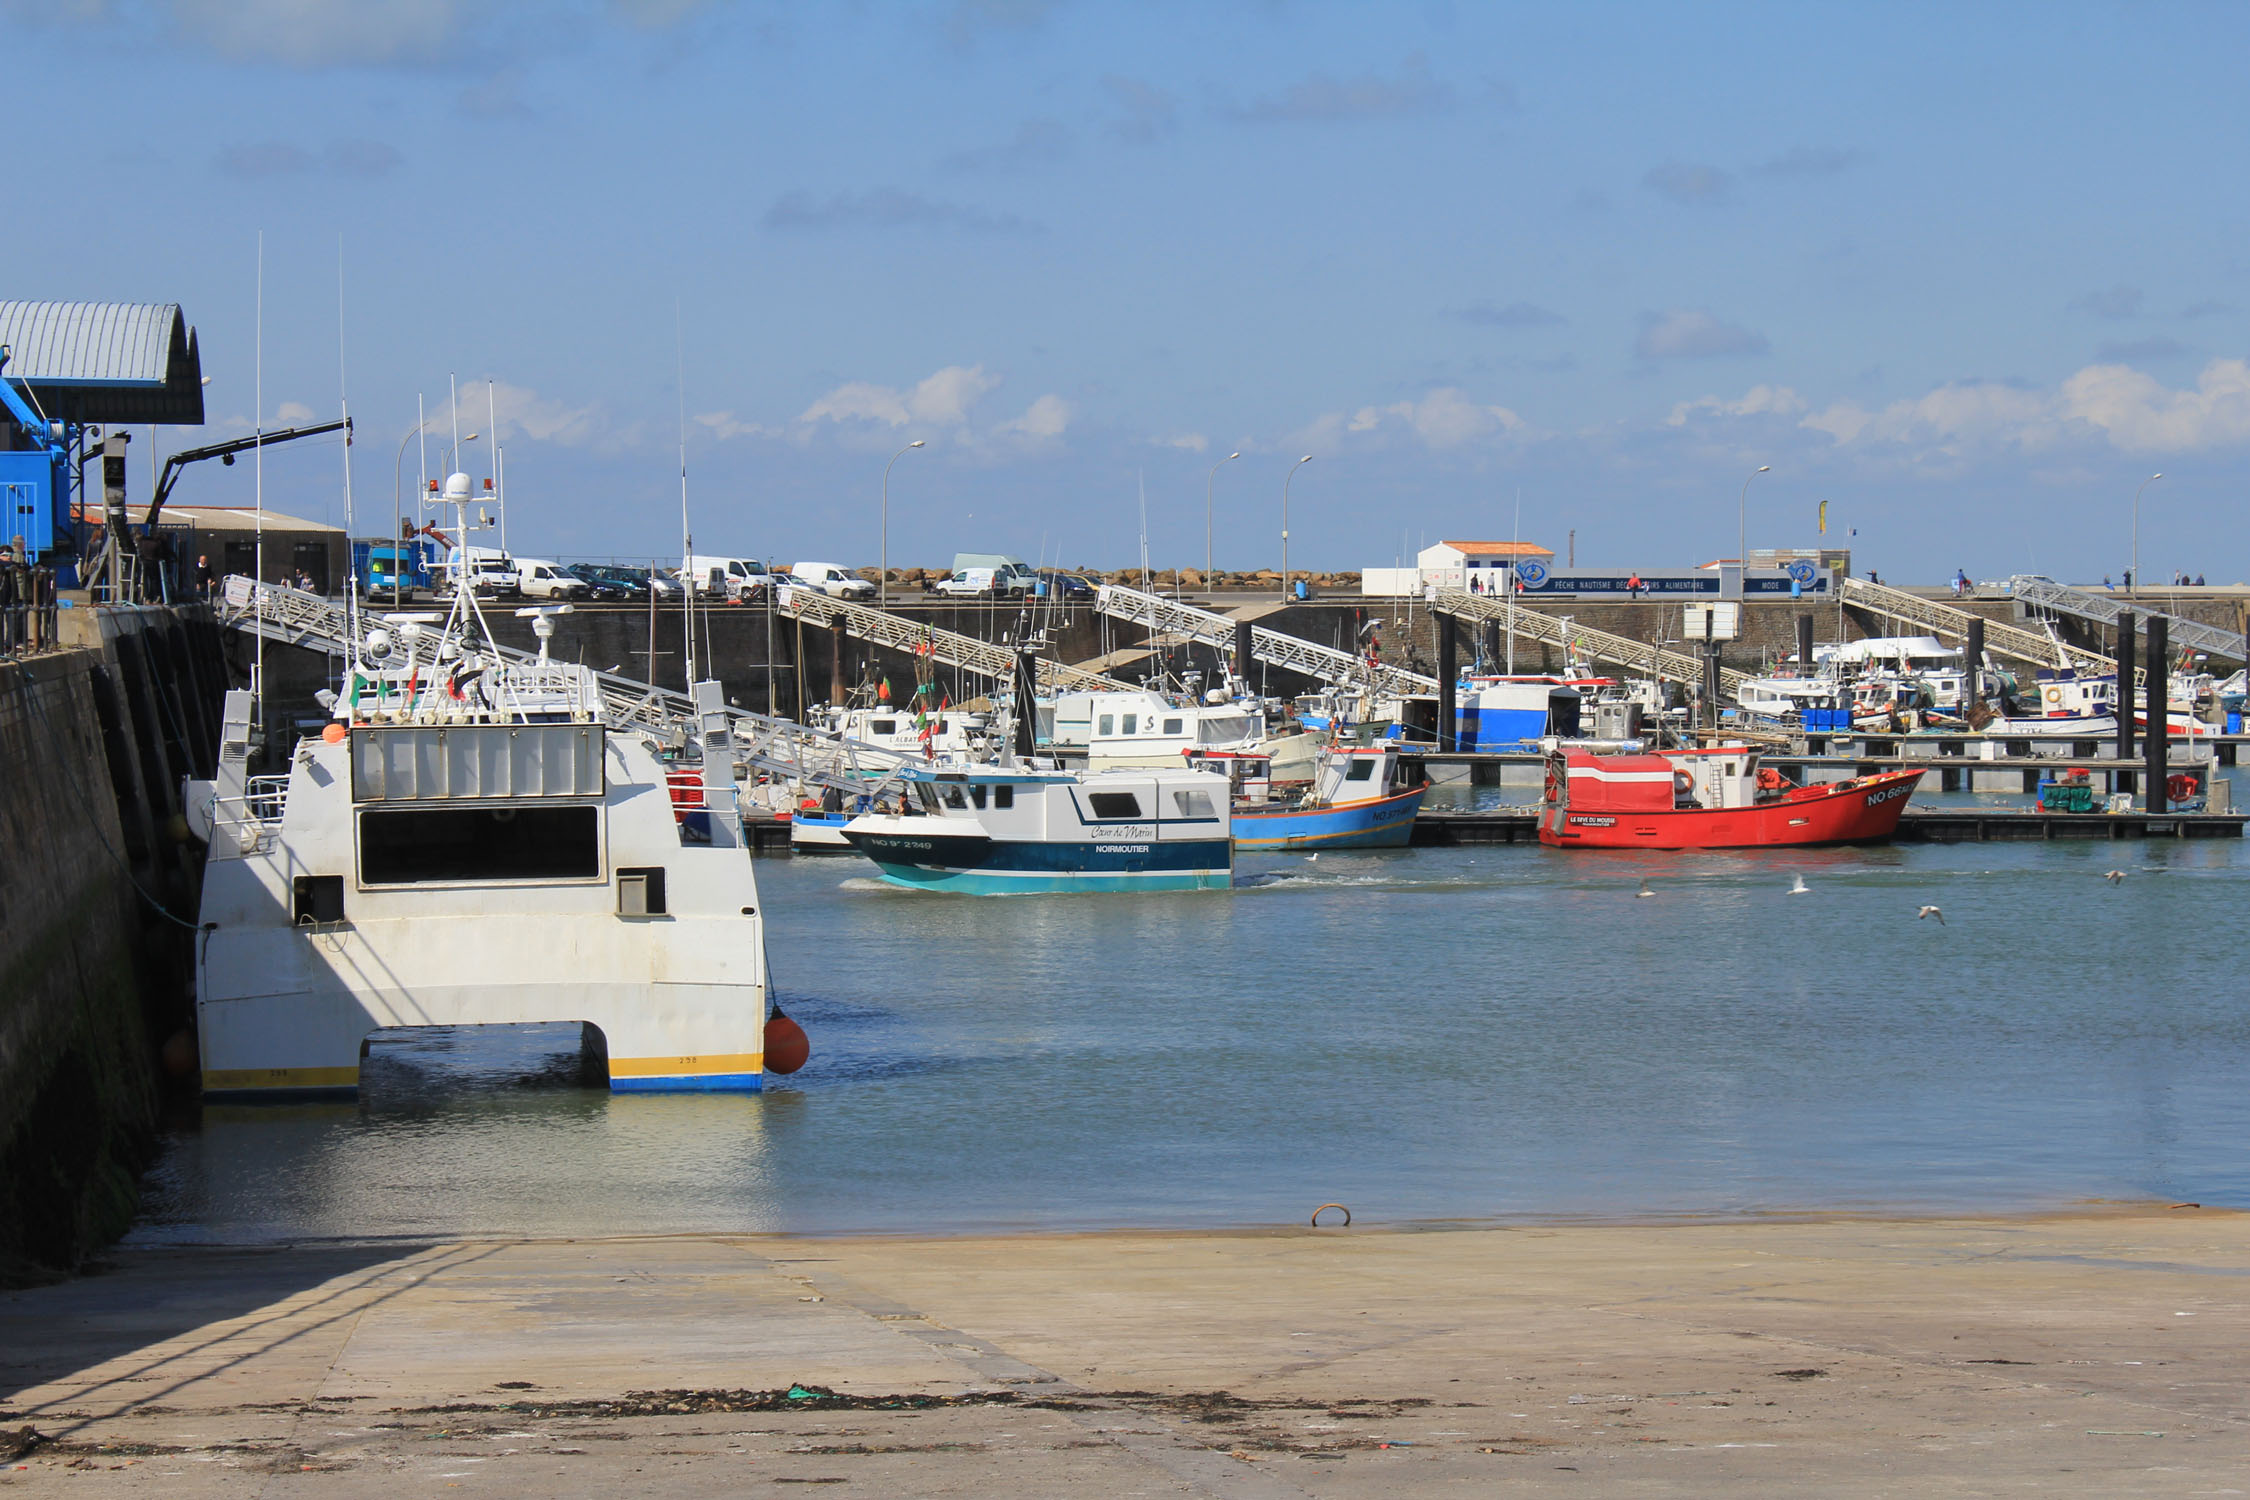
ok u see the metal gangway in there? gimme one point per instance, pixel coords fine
(899, 633)
(1169, 617)
(1569, 634)
(2002, 640)
(2104, 609)
(783, 747)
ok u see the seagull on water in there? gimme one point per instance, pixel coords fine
(2113, 876)
(1800, 888)
(1930, 911)
(1643, 891)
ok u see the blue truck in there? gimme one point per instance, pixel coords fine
(409, 568)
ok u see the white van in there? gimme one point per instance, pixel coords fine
(728, 577)
(831, 579)
(536, 578)
(491, 571)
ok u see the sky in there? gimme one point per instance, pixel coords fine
(1970, 274)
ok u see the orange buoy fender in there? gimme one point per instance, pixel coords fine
(787, 1046)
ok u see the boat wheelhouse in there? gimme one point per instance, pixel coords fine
(1013, 831)
(1365, 797)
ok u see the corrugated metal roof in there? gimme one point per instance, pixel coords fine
(105, 361)
(89, 343)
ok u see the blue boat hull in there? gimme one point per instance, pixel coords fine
(1385, 823)
(973, 864)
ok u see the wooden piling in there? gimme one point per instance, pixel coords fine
(1448, 722)
(2126, 646)
(2157, 737)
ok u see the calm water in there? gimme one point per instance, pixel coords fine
(1420, 1034)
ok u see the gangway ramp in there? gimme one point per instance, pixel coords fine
(1599, 644)
(2105, 609)
(780, 746)
(1169, 617)
(1943, 619)
(899, 633)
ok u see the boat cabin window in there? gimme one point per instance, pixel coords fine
(1109, 725)
(1362, 767)
(1132, 723)
(1116, 804)
(976, 795)
(882, 726)
(412, 845)
(955, 798)
(1194, 804)
(1174, 726)
(1003, 796)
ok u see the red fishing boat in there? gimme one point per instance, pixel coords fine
(1709, 799)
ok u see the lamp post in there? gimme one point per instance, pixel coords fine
(1293, 468)
(398, 512)
(883, 560)
(1742, 522)
(2137, 530)
(456, 448)
(1230, 458)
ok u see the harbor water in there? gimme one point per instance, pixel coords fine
(1433, 1034)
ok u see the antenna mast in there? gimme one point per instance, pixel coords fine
(687, 537)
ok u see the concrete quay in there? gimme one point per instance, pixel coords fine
(2097, 1352)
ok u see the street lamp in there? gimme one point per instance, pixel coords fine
(1293, 468)
(397, 512)
(472, 437)
(1742, 523)
(2136, 588)
(883, 561)
(1230, 458)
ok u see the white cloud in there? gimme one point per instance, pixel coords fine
(1193, 442)
(1043, 420)
(943, 399)
(725, 424)
(1690, 333)
(1759, 400)
(522, 412)
(294, 414)
(2126, 408)
(1445, 418)
(313, 34)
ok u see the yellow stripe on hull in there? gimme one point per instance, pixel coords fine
(239, 1080)
(687, 1067)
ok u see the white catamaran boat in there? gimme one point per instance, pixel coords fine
(1013, 831)
(468, 842)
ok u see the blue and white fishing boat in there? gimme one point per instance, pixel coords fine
(1365, 797)
(1019, 831)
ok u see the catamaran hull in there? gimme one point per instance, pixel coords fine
(1380, 823)
(973, 864)
(1855, 812)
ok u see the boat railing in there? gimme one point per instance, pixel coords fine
(252, 820)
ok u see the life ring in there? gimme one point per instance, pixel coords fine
(2054, 695)
(2180, 786)
(1682, 783)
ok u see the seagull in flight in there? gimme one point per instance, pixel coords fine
(1930, 911)
(2113, 876)
(1800, 888)
(1643, 891)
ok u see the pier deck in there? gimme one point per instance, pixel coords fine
(2092, 1353)
(1920, 825)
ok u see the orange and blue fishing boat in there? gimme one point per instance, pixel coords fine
(1363, 797)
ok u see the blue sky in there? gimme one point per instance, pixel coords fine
(1969, 274)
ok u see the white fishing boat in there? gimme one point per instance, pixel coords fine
(1020, 831)
(468, 842)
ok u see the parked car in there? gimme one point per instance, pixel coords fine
(831, 579)
(537, 578)
(615, 584)
(1062, 585)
